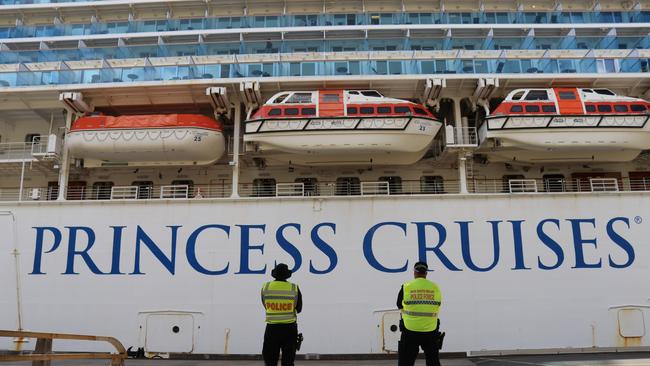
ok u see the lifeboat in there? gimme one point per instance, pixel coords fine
(175, 139)
(330, 127)
(567, 124)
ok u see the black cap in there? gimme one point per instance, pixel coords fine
(281, 272)
(421, 267)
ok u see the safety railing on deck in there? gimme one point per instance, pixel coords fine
(461, 136)
(43, 354)
(40, 147)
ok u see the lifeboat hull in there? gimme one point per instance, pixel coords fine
(151, 146)
(346, 141)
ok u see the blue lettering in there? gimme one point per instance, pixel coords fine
(370, 256)
(117, 249)
(190, 250)
(551, 244)
(422, 244)
(621, 242)
(38, 250)
(579, 242)
(465, 245)
(518, 243)
(168, 262)
(324, 247)
(287, 246)
(73, 252)
(246, 247)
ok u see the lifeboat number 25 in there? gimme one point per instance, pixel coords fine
(197, 137)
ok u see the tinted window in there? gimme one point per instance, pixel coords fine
(567, 95)
(280, 98)
(402, 109)
(537, 95)
(367, 110)
(383, 109)
(548, 108)
(275, 112)
(604, 108)
(308, 111)
(420, 111)
(371, 93)
(330, 98)
(532, 108)
(604, 91)
(590, 108)
(637, 108)
(620, 108)
(516, 109)
(300, 98)
(518, 95)
(352, 110)
(291, 111)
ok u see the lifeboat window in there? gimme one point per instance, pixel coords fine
(348, 186)
(567, 95)
(300, 98)
(330, 98)
(604, 91)
(263, 187)
(518, 95)
(604, 108)
(637, 108)
(420, 111)
(291, 111)
(432, 184)
(352, 110)
(308, 111)
(402, 109)
(590, 108)
(280, 98)
(620, 108)
(516, 109)
(532, 108)
(383, 110)
(537, 95)
(548, 108)
(102, 190)
(371, 93)
(275, 112)
(353, 92)
(367, 110)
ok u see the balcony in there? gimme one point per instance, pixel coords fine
(41, 147)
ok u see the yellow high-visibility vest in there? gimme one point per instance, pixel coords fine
(280, 298)
(421, 303)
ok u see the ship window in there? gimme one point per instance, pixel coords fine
(532, 108)
(506, 181)
(280, 98)
(275, 112)
(367, 110)
(516, 109)
(348, 186)
(383, 109)
(554, 183)
(308, 111)
(420, 111)
(394, 184)
(604, 91)
(263, 187)
(300, 98)
(604, 108)
(371, 93)
(102, 190)
(620, 108)
(291, 111)
(567, 95)
(537, 95)
(179, 191)
(518, 95)
(310, 185)
(402, 109)
(637, 108)
(352, 110)
(32, 138)
(330, 98)
(432, 184)
(548, 108)
(145, 189)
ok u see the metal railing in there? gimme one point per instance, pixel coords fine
(461, 136)
(40, 147)
(43, 356)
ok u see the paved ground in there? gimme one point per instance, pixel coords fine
(554, 360)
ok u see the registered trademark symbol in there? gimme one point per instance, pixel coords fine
(638, 219)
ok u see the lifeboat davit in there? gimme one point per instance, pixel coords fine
(174, 139)
(334, 127)
(567, 124)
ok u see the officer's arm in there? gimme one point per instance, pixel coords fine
(299, 302)
(262, 297)
(400, 297)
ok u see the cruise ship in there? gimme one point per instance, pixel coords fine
(159, 157)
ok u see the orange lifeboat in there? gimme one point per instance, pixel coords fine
(174, 139)
(568, 124)
(333, 127)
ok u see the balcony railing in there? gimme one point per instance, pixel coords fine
(40, 147)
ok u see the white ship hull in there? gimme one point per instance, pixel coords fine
(568, 274)
(141, 147)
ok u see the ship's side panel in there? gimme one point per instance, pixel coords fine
(8, 302)
(516, 272)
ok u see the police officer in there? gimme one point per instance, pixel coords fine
(419, 301)
(282, 301)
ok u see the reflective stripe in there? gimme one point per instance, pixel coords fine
(279, 297)
(281, 316)
(421, 302)
(417, 313)
(279, 292)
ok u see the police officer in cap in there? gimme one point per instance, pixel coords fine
(419, 301)
(282, 301)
